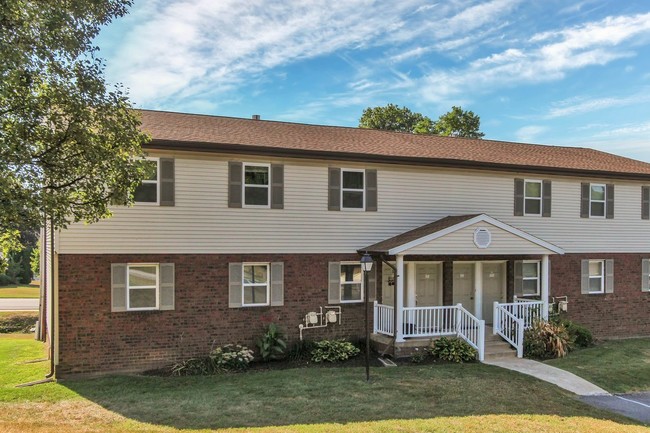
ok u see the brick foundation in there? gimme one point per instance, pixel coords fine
(92, 339)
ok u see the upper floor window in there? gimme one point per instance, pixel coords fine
(257, 189)
(533, 197)
(597, 196)
(352, 189)
(147, 191)
(596, 200)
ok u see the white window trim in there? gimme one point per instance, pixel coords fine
(537, 278)
(128, 287)
(244, 285)
(362, 190)
(363, 289)
(603, 201)
(601, 276)
(157, 182)
(541, 194)
(244, 185)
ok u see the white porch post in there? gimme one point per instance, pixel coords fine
(478, 290)
(546, 269)
(410, 284)
(399, 298)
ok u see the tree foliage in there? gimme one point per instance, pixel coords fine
(454, 123)
(68, 144)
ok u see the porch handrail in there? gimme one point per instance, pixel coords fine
(509, 327)
(431, 321)
(471, 329)
(530, 311)
(383, 319)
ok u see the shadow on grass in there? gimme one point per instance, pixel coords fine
(330, 395)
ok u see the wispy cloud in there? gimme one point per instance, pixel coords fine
(529, 133)
(576, 106)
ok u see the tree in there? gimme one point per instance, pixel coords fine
(394, 118)
(459, 123)
(69, 145)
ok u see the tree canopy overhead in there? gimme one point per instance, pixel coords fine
(68, 144)
(455, 123)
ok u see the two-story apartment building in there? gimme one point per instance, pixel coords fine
(245, 222)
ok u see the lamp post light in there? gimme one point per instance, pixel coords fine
(366, 267)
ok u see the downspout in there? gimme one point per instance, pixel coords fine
(395, 312)
(42, 307)
(52, 370)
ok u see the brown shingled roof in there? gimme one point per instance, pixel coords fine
(215, 133)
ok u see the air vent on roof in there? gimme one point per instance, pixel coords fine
(256, 117)
(482, 237)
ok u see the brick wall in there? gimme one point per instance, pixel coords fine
(93, 339)
(624, 313)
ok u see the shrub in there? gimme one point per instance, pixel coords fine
(224, 358)
(452, 350)
(579, 335)
(300, 350)
(232, 357)
(272, 344)
(17, 323)
(333, 351)
(418, 356)
(545, 340)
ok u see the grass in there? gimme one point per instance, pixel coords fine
(20, 291)
(469, 397)
(618, 366)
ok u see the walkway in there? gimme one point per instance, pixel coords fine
(18, 304)
(556, 376)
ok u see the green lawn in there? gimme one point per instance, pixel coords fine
(454, 398)
(20, 291)
(615, 365)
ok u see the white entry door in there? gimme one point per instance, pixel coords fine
(494, 288)
(464, 285)
(428, 290)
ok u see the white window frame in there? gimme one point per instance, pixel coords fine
(244, 185)
(363, 289)
(244, 285)
(537, 278)
(541, 194)
(601, 276)
(362, 190)
(157, 182)
(603, 201)
(129, 288)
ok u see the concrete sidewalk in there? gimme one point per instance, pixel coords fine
(18, 304)
(556, 376)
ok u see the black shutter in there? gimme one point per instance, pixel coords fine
(546, 198)
(167, 194)
(584, 199)
(234, 184)
(609, 201)
(334, 197)
(519, 197)
(645, 202)
(277, 186)
(371, 190)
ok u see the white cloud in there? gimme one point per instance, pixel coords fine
(529, 133)
(575, 106)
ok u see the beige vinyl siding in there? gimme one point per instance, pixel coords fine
(462, 242)
(408, 196)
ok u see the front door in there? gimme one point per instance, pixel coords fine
(464, 285)
(427, 285)
(494, 288)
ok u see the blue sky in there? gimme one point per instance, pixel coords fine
(537, 71)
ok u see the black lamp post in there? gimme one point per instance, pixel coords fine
(366, 267)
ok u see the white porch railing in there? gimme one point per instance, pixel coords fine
(511, 319)
(433, 322)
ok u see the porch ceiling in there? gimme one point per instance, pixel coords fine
(458, 235)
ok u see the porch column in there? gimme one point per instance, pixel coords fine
(399, 298)
(410, 284)
(478, 289)
(546, 269)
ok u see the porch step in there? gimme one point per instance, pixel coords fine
(498, 348)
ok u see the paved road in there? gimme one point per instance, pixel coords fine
(9, 304)
(636, 406)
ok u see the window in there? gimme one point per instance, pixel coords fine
(352, 189)
(533, 197)
(597, 196)
(255, 284)
(256, 185)
(147, 191)
(351, 282)
(596, 276)
(530, 277)
(142, 286)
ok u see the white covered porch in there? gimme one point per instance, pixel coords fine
(451, 278)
